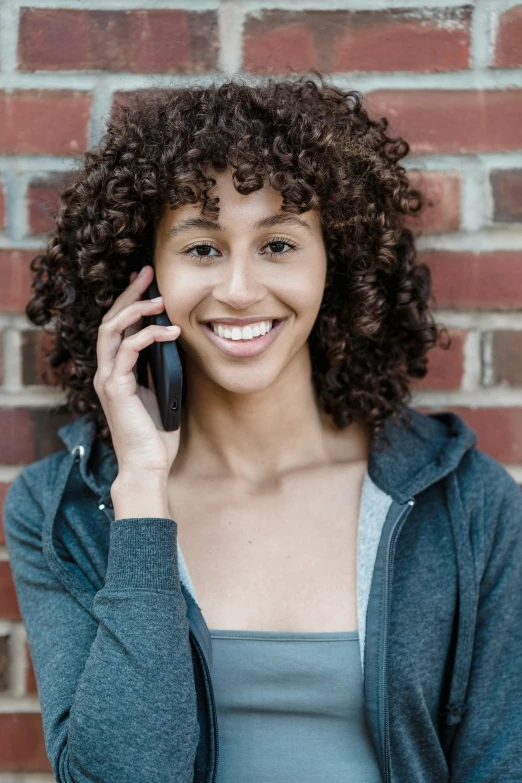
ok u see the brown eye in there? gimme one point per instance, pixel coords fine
(204, 245)
(279, 244)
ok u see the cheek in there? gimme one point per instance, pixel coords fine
(304, 294)
(181, 295)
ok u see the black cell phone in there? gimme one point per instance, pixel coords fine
(165, 368)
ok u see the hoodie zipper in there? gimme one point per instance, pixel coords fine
(393, 537)
(212, 702)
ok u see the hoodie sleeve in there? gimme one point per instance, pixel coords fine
(487, 747)
(116, 684)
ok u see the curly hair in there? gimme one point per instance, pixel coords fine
(317, 145)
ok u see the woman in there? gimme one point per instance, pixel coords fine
(309, 580)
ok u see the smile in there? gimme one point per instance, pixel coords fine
(244, 347)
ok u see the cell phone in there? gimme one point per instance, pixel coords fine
(165, 368)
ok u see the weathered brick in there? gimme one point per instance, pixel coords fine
(29, 434)
(123, 99)
(23, 746)
(35, 367)
(4, 669)
(43, 195)
(445, 366)
(17, 277)
(451, 121)
(4, 486)
(44, 121)
(418, 39)
(16, 444)
(139, 41)
(506, 185)
(507, 350)
(499, 430)
(9, 609)
(481, 281)
(442, 201)
(508, 42)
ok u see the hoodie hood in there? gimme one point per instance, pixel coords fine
(419, 456)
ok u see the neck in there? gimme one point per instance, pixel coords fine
(259, 436)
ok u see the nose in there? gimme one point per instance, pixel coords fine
(239, 285)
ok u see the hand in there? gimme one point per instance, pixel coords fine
(140, 442)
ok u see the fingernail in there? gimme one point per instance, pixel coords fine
(157, 299)
(174, 326)
(142, 271)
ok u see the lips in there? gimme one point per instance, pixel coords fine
(244, 349)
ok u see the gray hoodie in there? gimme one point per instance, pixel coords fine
(122, 654)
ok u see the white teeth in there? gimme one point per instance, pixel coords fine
(249, 332)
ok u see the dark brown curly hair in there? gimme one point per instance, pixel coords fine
(317, 145)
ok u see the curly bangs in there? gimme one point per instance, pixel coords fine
(316, 145)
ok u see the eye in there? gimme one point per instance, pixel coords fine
(205, 245)
(278, 241)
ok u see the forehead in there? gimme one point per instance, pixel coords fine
(259, 209)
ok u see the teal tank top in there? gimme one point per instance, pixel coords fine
(290, 708)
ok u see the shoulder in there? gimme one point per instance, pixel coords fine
(485, 481)
(492, 500)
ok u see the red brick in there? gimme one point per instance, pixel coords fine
(433, 121)
(138, 41)
(507, 350)
(17, 277)
(1, 359)
(29, 434)
(508, 44)
(420, 39)
(4, 486)
(23, 746)
(2, 208)
(442, 201)
(43, 195)
(507, 195)
(499, 430)
(44, 121)
(16, 444)
(445, 366)
(120, 99)
(35, 366)
(9, 609)
(4, 669)
(481, 281)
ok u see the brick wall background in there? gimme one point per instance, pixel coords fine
(448, 75)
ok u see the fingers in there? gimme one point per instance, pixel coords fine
(110, 332)
(127, 356)
(133, 292)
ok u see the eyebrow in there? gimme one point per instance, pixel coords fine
(212, 225)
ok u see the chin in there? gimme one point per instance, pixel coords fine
(243, 380)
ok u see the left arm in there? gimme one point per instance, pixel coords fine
(488, 744)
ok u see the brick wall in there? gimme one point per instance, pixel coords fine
(448, 75)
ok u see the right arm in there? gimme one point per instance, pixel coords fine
(116, 684)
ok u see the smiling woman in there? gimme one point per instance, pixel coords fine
(307, 580)
(332, 172)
